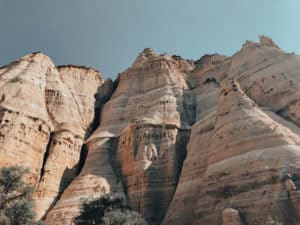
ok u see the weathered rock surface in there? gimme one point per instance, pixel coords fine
(237, 154)
(147, 127)
(231, 217)
(45, 114)
(25, 125)
(70, 102)
(203, 142)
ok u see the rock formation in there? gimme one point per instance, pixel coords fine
(45, 114)
(209, 141)
(231, 217)
(70, 103)
(141, 135)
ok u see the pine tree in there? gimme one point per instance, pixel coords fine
(16, 205)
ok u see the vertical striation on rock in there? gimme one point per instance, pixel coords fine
(242, 146)
(96, 178)
(150, 159)
(211, 141)
(70, 101)
(248, 152)
(143, 118)
(25, 126)
(231, 217)
(206, 88)
(46, 113)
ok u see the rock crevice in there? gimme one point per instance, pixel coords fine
(185, 142)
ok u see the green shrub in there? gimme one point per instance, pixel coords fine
(123, 217)
(16, 205)
(273, 220)
(108, 210)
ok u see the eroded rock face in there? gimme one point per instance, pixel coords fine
(231, 217)
(238, 151)
(150, 159)
(25, 126)
(146, 123)
(203, 142)
(96, 178)
(45, 114)
(70, 102)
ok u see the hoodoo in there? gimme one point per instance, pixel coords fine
(211, 141)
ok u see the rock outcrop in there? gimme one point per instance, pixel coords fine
(143, 132)
(70, 101)
(25, 125)
(209, 141)
(231, 217)
(46, 111)
(243, 147)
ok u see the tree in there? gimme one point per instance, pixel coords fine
(273, 221)
(123, 217)
(16, 205)
(108, 210)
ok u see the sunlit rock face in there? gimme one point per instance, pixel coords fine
(25, 124)
(70, 101)
(141, 139)
(151, 119)
(238, 152)
(212, 141)
(45, 114)
(231, 216)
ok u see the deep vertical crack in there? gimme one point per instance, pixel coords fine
(46, 155)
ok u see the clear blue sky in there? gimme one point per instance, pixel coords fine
(109, 34)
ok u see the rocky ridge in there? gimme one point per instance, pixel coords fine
(184, 142)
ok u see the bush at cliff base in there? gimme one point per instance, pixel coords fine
(108, 210)
(16, 205)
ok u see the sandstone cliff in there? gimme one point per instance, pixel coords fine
(185, 142)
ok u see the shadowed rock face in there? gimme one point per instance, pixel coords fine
(204, 142)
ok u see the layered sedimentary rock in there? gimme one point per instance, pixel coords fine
(237, 168)
(25, 125)
(70, 102)
(206, 90)
(96, 178)
(231, 217)
(45, 114)
(211, 141)
(237, 153)
(147, 126)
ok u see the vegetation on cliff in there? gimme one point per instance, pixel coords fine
(16, 206)
(108, 210)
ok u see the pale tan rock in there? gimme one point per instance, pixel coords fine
(150, 158)
(288, 183)
(96, 178)
(231, 216)
(266, 41)
(230, 147)
(70, 102)
(183, 141)
(206, 91)
(249, 44)
(141, 121)
(229, 175)
(46, 113)
(25, 126)
(293, 194)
